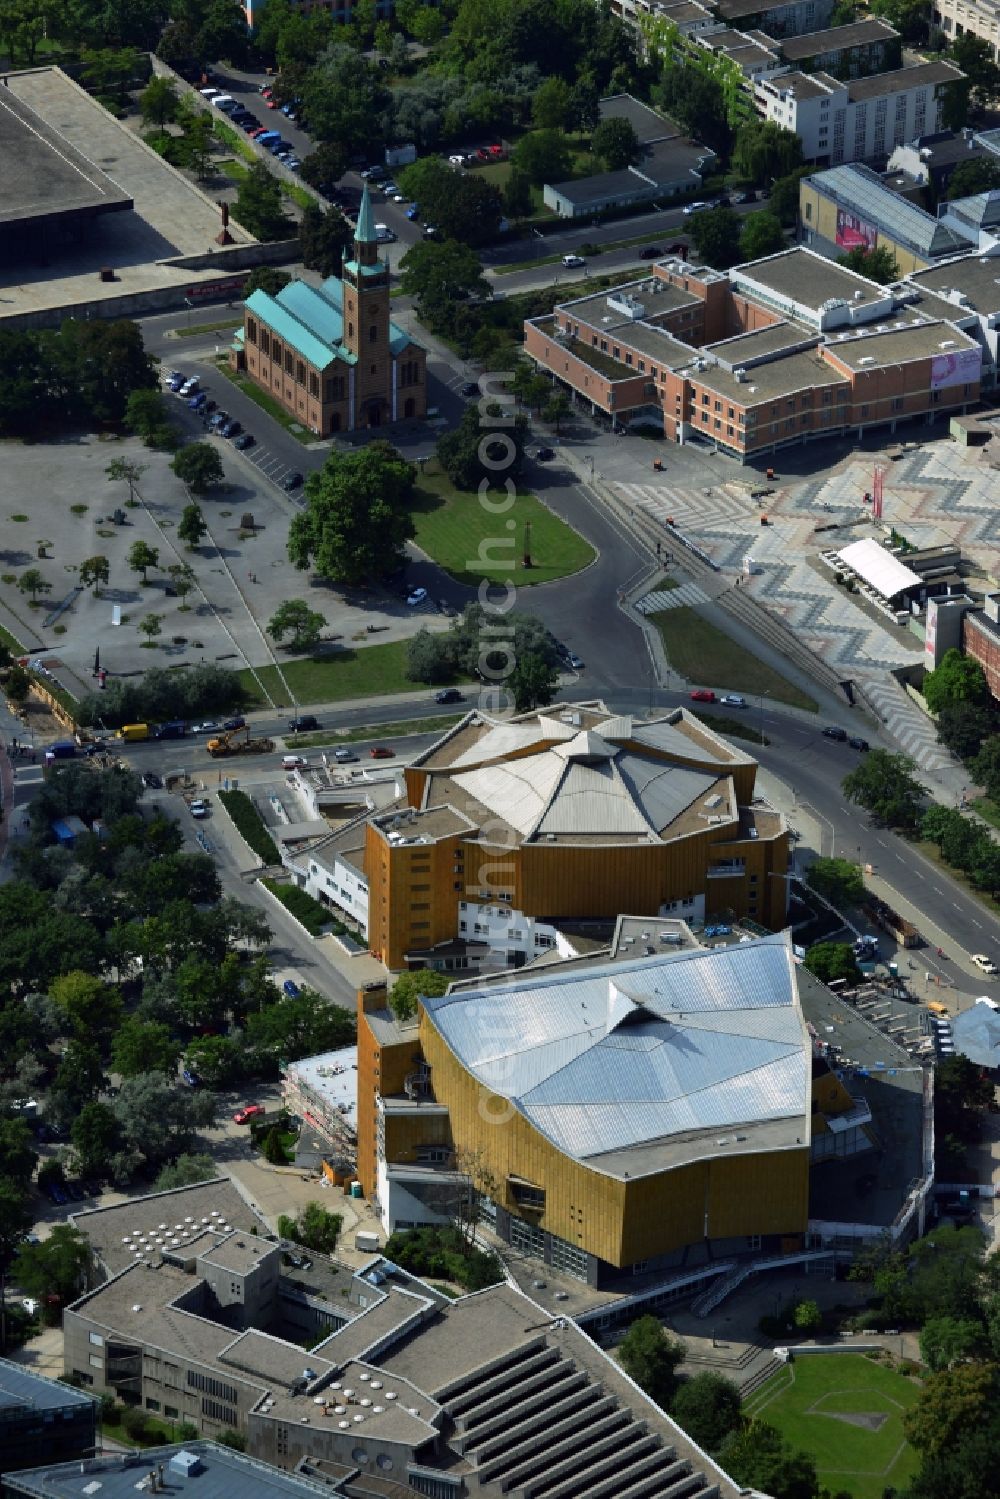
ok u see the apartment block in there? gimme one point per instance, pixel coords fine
(858, 120)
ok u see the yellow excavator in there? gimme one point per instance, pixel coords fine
(238, 742)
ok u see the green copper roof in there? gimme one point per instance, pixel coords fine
(378, 269)
(364, 234)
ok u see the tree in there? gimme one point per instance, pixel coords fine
(761, 235)
(962, 727)
(696, 100)
(357, 518)
(16, 1218)
(615, 143)
(517, 201)
(551, 104)
(441, 272)
(144, 1046)
(93, 572)
(533, 681)
(946, 1341)
(957, 679)
(18, 1158)
(324, 167)
(716, 235)
(650, 1356)
(92, 1007)
(758, 1456)
(474, 451)
(951, 1403)
(55, 1267)
(295, 617)
(838, 880)
(430, 658)
(463, 207)
(315, 1228)
(783, 201)
(181, 580)
(299, 1027)
(765, 151)
(807, 1317)
(158, 102)
(878, 264)
(410, 986)
(186, 1171)
(17, 685)
(978, 175)
(543, 156)
(192, 527)
(909, 17)
(32, 582)
(124, 471)
(78, 1079)
(323, 238)
(258, 204)
(158, 1121)
(141, 557)
(199, 466)
(883, 783)
(265, 278)
(832, 961)
(219, 1061)
(707, 1406)
(556, 409)
(975, 57)
(150, 626)
(94, 1133)
(198, 143)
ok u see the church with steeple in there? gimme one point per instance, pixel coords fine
(330, 355)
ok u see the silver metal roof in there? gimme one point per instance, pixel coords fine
(859, 188)
(624, 1055)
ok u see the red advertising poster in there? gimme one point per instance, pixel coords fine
(854, 233)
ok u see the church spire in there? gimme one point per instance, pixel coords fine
(364, 234)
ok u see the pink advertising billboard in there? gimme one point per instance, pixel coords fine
(854, 233)
(961, 367)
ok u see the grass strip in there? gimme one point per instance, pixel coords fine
(250, 825)
(397, 729)
(371, 671)
(201, 328)
(266, 403)
(706, 655)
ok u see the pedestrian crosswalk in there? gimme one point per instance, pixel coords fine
(687, 595)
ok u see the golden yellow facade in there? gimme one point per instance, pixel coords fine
(818, 214)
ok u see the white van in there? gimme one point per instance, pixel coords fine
(293, 762)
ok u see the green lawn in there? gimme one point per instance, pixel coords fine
(708, 657)
(472, 543)
(807, 1401)
(372, 671)
(988, 810)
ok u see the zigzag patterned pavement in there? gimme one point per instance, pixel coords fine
(911, 729)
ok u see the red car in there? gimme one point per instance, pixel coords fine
(271, 103)
(247, 1112)
(382, 752)
(703, 695)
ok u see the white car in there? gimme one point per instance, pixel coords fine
(344, 754)
(458, 160)
(733, 700)
(399, 197)
(416, 597)
(190, 387)
(210, 93)
(572, 262)
(199, 807)
(390, 189)
(983, 963)
(205, 728)
(694, 207)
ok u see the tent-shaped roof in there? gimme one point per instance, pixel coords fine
(879, 568)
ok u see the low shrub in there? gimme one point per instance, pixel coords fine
(250, 825)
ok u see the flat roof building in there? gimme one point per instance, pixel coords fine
(200, 1470)
(850, 207)
(849, 51)
(669, 163)
(42, 1419)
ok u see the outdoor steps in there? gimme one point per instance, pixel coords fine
(501, 1415)
(585, 1400)
(711, 1298)
(526, 1376)
(607, 1478)
(760, 1376)
(587, 1466)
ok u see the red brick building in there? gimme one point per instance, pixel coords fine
(981, 640)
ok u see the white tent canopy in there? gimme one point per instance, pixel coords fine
(879, 568)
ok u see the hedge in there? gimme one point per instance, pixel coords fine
(250, 825)
(313, 915)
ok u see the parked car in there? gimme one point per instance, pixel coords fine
(413, 212)
(191, 1079)
(217, 419)
(389, 189)
(470, 388)
(343, 755)
(373, 174)
(833, 731)
(449, 695)
(237, 722)
(250, 123)
(209, 93)
(651, 252)
(416, 597)
(152, 780)
(247, 1112)
(244, 440)
(199, 808)
(695, 207)
(983, 963)
(749, 197)
(302, 723)
(198, 401)
(382, 752)
(573, 660)
(292, 481)
(232, 428)
(225, 102)
(291, 988)
(545, 455)
(572, 262)
(733, 700)
(858, 743)
(292, 163)
(175, 381)
(703, 695)
(457, 159)
(189, 387)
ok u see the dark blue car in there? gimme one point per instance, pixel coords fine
(291, 988)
